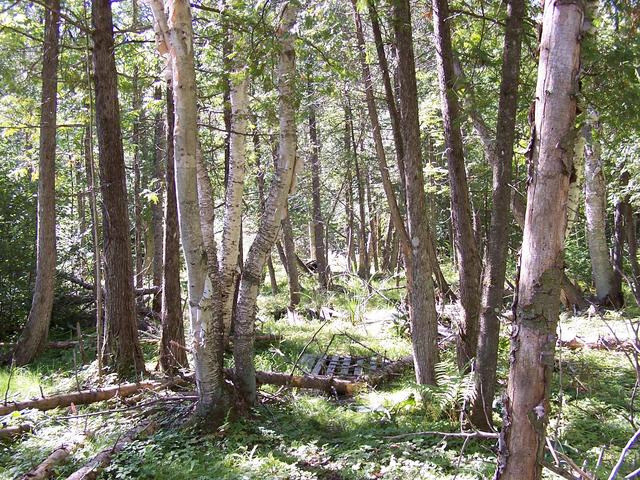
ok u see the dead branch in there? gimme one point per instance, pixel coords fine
(10, 432)
(84, 397)
(59, 455)
(91, 470)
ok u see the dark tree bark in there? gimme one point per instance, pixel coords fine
(160, 147)
(497, 242)
(350, 226)
(290, 257)
(418, 263)
(320, 251)
(469, 262)
(172, 356)
(120, 308)
(396, 126)
(536, 306)
(364, 264)
(137, 181)
(34, 335)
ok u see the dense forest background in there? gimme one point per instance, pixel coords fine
(208, 195)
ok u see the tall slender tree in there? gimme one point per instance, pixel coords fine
(495, 269)
(469, 262)
(421, 295)
(175, 41)
(120, 309)
(34, 335)
(536, 306)
(275, 209)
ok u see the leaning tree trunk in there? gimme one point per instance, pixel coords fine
(34, 336)
(120, 309)
(495, 269)
(469, 262)
(608, 291)
(418, 262)
(536, 306)
(320, 252)
(173, 355)
(275, 209)
(175, 37)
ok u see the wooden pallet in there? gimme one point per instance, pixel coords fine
(342, 366)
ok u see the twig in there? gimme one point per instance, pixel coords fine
(625, 450)
(558, 470)
(476, 434)
(190, 398)
(304, 349)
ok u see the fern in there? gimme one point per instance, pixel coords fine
(452, 392)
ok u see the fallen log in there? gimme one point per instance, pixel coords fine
(83, 397)
(388, 371)
(55, 458)
(98, 463)
(602, 343)
(10, 432)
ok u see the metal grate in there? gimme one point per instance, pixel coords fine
(342, 366)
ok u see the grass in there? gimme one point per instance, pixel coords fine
(306, 435)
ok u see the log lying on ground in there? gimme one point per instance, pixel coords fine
(388, 371)
(83, 397)
(92, 469)
(10, 432)
(55, 458)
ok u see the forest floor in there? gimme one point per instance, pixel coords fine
(300, 434)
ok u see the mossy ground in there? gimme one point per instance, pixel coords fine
(306, 435)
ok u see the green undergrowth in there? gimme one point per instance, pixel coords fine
(308, 435)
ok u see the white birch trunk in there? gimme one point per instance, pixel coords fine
(176, 38)
(233, 212)
(275, 209)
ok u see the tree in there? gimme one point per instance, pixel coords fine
(34, 336)
(120, 309)
(175, 42)
(318, 227)
(495, 269)
(172, 352)
(421, 297)
(536, 306)
(469, 262)
(608, 290)
(275, 209)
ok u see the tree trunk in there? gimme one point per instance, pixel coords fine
(576, 187)
(498, 236)
(320, 251)
(176, 37)
(291, 261)
(34, 335)
(422, 307)
(275, 209)
(348, 207)
(469, 262)
(536, 306)
(232, 231)
(157, 206)
(172, 357)
(424, 323)
(137, 179)
(608, 292)
(260, 181)
(364, 266)
(120, 310)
